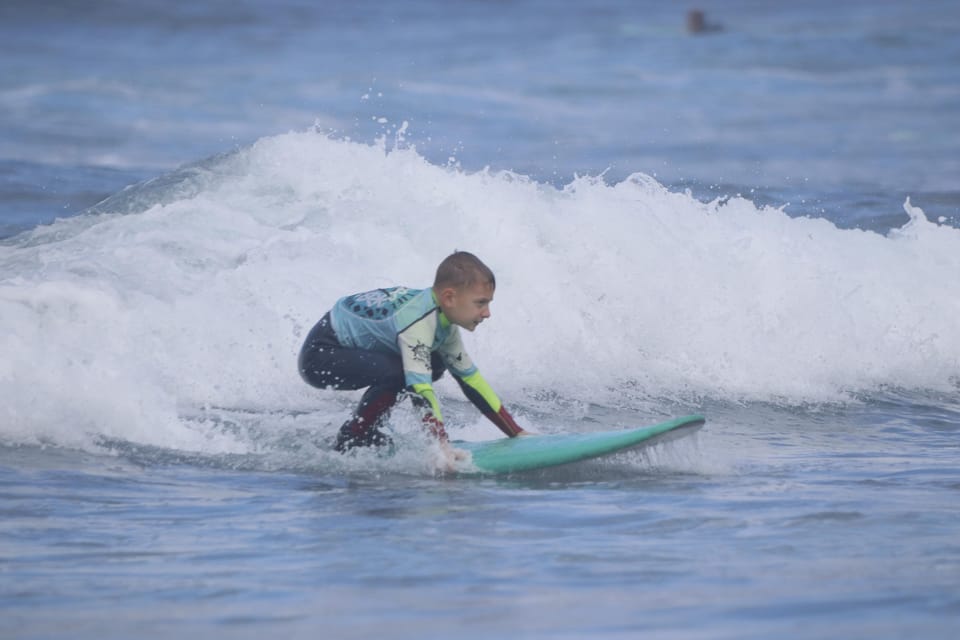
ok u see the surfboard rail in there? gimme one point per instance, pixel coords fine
(507, 455)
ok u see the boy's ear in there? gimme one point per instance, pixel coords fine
(446, 296)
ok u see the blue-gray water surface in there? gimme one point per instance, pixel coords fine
(840, 525)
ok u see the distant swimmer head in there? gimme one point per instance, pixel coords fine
(697, 22)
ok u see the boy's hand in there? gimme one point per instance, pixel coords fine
(453, 457)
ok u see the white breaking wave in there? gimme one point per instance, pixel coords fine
(197, 290)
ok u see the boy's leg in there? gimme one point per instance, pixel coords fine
(382, 373)
(363, 428)
(324, 363)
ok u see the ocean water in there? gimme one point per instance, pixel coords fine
(760, 224)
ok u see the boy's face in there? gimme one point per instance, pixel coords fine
(467, 307)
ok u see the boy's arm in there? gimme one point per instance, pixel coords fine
(479, 392)
(426, 400)
(415, 345)
(475, 387)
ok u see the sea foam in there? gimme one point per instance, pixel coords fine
(196, 290)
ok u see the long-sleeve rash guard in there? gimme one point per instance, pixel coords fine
(409, 322)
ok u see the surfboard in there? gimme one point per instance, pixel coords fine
(524, 453)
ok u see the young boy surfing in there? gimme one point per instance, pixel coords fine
(401, 340)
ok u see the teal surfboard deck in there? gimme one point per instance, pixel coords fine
(507, 455)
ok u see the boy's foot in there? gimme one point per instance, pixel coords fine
(348, 439)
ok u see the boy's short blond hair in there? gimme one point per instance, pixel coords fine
(461, 270)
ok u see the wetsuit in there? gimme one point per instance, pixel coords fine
(392, 340)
